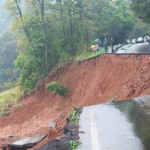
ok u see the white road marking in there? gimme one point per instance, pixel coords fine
(94, 133)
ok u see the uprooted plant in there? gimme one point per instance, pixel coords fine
(74, 117)
(74, 121)
(57, 88)
(74, 144)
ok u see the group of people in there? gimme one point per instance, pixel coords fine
(97, 47)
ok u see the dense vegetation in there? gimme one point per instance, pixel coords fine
(49, 32)
(141, 9)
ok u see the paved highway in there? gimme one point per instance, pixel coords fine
(116, 126)
(134, 48)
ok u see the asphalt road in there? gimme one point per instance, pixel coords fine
(121, 125)
(134, 48)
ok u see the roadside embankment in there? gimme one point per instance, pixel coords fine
(89, 82)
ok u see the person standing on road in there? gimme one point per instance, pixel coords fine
(112, 44)
(106, 45)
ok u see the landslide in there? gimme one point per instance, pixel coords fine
(94, 81)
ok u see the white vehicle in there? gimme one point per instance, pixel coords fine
(133, 40)
(140, 40)
(146, 38)
(128, 41)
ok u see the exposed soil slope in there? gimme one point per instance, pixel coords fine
(90, 82)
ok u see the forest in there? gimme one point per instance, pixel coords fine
(38, 35)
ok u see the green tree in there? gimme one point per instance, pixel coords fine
(48, 33)
(141, 9)
(113, 19)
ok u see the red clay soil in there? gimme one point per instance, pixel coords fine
(90, 82)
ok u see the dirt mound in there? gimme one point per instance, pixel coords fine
(89, 82)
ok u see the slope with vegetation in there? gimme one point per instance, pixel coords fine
(93, 81)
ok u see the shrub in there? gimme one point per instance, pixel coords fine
(57, 88)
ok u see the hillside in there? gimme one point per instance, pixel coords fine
(93, 81)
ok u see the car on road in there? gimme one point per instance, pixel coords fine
(140, 40)
(128, 41)
(133, 41)
(146, 38)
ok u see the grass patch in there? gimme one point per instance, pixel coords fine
(8, 100)
(89, 54)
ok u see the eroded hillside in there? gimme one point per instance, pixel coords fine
(93, 81)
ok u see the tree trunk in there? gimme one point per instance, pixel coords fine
(42, 7)
(62, 18)
(71, 34)
(27, 34)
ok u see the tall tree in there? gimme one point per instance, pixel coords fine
(42, 8)
(141, 9)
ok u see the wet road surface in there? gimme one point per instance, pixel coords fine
(134, 48)
(139, 48)
(121, 125)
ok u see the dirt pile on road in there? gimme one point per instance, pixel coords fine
(93, 81)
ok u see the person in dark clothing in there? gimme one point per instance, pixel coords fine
(106, 45)
(112, 44)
